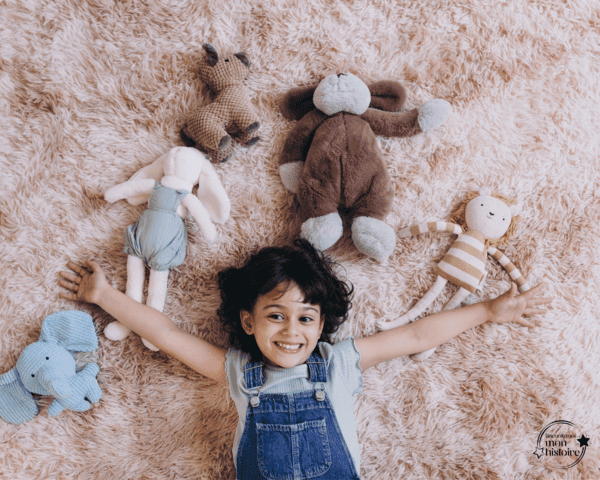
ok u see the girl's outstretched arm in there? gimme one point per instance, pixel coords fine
(436, 329)
(92, 287)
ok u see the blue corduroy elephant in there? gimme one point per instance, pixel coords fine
(47, 367)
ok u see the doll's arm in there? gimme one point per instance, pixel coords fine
(128, 189)
(212, 194)
(510, 268)
(201, 215)
(430, 227)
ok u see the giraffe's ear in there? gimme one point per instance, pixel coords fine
(515, 210)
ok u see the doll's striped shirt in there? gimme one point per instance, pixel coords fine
(464, 264)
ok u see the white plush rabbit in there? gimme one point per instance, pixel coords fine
(159, 238)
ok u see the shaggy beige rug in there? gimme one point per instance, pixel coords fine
(91, 91)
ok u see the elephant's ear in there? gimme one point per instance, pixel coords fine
(387, 95)
(16, 403)
(297, 102)
(70, 329)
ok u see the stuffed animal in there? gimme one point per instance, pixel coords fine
(331, 160)
(210, 127)
(483, 222)
(159, 238)
(46, 367)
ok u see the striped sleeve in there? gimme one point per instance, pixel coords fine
(430, 227)
(510, 268)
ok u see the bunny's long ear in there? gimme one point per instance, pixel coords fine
(70, 329)
(16, 403)
(297, 102)
(212, 194)
(153, 171)
(387, 95)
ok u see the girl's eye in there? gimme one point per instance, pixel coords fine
(306, 319)
(276, 316)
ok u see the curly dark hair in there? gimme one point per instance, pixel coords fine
(303, 265)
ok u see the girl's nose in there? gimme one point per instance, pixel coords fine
(291, 326)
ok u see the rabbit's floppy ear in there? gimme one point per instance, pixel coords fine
(153, 171)
(16, 403)
(297, 102)
(70, 329)
(387, 95)
(212, 194)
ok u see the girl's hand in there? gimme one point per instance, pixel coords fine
(84, 286)
(509, 306)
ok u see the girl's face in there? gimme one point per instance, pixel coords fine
(286, 329)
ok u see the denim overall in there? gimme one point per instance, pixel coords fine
(292, 436)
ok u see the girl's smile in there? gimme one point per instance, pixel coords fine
(286, 329)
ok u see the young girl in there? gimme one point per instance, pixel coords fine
(292, 388)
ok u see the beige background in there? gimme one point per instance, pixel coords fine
(92, 91)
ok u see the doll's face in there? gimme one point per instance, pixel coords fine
(285, 328)
(488, 215)
(342, 92)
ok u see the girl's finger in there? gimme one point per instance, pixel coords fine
(525, 323)
(93, 265)
(534, 311)
(67, 296)
(69, 285)
(70, 276)
(538, 301)
(76, 268)
(533, 291)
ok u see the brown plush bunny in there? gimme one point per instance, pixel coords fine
(332, 162)
(211, 127)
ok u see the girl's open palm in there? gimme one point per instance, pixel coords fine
(509, 307)
(83, 285)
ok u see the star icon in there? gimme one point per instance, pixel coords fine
(583, 441)
(538, 452)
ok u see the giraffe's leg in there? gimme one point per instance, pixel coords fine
(419, 307)
(454, 302)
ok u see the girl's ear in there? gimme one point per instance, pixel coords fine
(297, 102)
(246, 319)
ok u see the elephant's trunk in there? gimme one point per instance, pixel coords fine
(56, 385)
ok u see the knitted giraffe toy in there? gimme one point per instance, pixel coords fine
(210, 127)
(486, 221)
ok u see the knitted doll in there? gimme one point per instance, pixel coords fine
(159, 238)
(332, 162)
(210, 127)
(486, 221)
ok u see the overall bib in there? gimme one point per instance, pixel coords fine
(292, 436)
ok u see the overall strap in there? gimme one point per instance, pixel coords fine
(253, 373)
(317, 371)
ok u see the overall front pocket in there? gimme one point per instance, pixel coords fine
(293, 452)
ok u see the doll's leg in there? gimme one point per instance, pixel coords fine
(157, 292)
(419, 307)
(134, 289)
(454, 302)
(457, 299)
